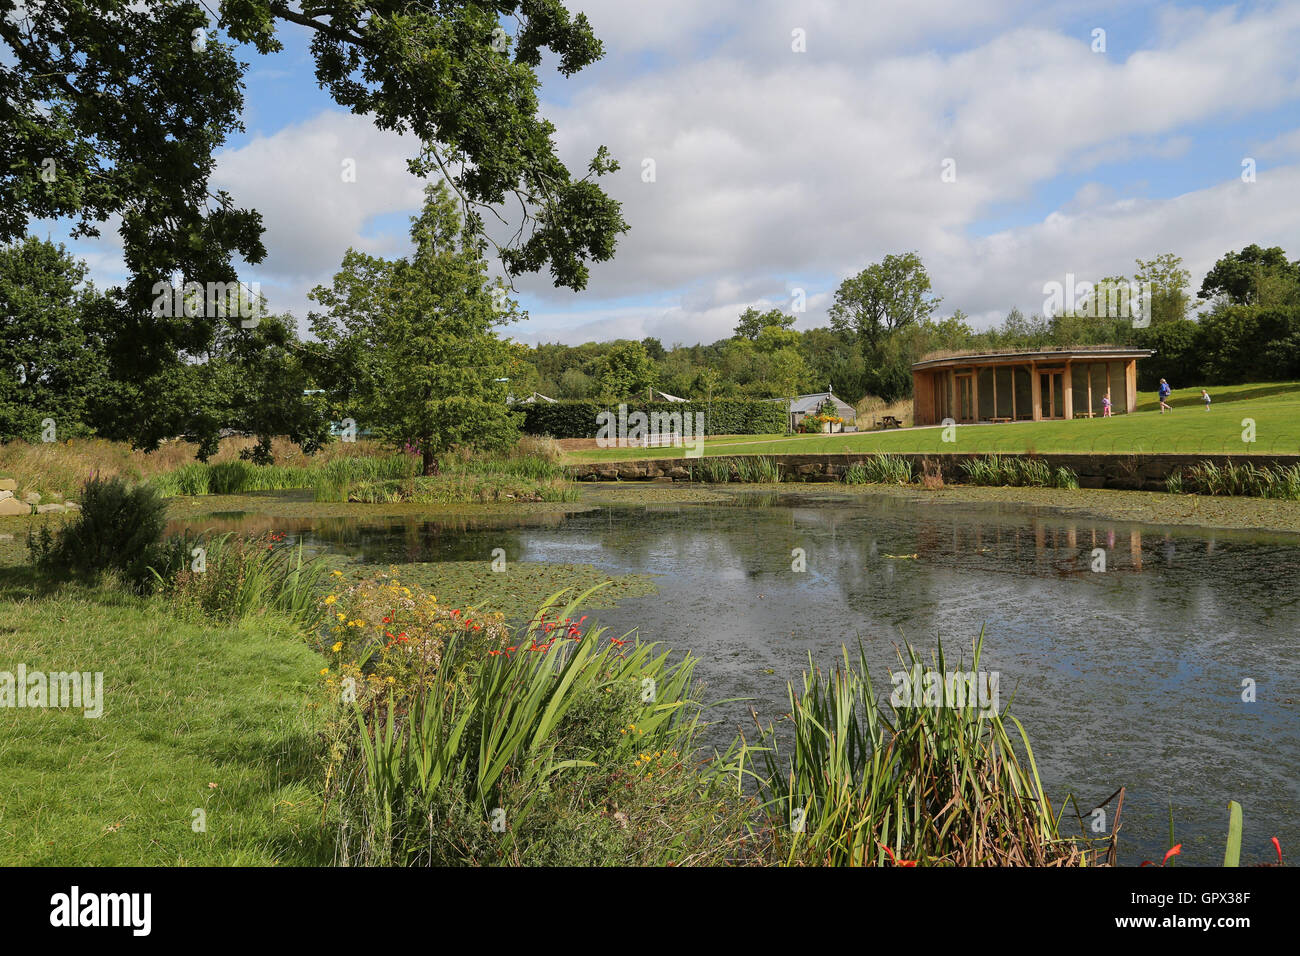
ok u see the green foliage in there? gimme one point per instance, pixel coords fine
(626, 370)
(713, 470)
(1249, 343)
(408, 345)
(883, 298)
(852, 783)
(52, 354)
(757, 470)
(1169, 280)
(753, 323)
(1245, 480)
(118, 529)
(331, 478)
(880, 470)
(500, 736)
(107, 93)
(1017, 472)
(240, 577)
(1254, 276)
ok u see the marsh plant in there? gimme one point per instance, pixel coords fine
(1230, 478)
(230, 577)
(880, 470)
(1017, 472)
(850, 782)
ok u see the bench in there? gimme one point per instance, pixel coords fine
(888, 421)
(999, 420)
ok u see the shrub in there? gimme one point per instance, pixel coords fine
(119, 529)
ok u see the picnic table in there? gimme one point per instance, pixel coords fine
(888, 421)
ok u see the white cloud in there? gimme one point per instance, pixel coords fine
(777, 169)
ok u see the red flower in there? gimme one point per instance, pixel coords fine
(896, 861)
(1175, 850)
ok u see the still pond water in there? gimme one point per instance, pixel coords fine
(1130, 677)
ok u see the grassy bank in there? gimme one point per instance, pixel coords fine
(196, 716)
(1189, 429)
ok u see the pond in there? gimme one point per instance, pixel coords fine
(1129, 676)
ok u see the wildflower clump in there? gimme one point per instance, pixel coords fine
(385, 636)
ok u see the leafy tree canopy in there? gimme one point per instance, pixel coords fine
(1246, 277)
(115, 107)
(884, 297)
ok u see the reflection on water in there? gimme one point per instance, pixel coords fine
(1132, 675)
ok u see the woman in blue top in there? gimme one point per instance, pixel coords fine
(1164, 394)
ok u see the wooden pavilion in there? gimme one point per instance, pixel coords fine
(1025, 386)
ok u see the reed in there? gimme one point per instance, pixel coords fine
(238, 577)
(860, 784)
(757, 470)
(997, 470)
(1231, 479)
(880, 470)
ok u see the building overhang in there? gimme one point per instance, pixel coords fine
(1024, 358)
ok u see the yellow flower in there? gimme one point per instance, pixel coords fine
(338, 646)
(343, 617)
(324, 670)
(331, 599)
(337, 574)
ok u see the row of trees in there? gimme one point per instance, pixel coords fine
(886, 317)
(409, 349)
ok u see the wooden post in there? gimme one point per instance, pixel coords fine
(1131, 384)
(1035, 392)
(1067, 389)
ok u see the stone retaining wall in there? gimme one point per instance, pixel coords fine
(1132, 472)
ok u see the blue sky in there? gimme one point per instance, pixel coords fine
(778, 168)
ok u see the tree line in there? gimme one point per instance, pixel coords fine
(1241, 324)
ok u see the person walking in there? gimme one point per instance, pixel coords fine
(1105, 406)
(1205, 397)
(1165, 390)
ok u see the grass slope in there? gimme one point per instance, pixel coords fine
(186, 706)
(1189, 429)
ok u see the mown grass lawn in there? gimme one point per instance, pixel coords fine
(1189, 429)
(195, 716)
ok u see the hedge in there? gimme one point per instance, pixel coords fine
(722, 416)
